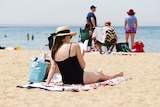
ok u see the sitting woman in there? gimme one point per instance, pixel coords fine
(68, 58)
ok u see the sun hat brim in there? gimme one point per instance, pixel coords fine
(63, 31)
(63, 34)
(131, 13)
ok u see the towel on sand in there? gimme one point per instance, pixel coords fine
(59, 86)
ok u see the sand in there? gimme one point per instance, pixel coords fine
(142, 91)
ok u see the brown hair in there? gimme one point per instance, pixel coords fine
(58, 43)
(108, 23)
(87, 26)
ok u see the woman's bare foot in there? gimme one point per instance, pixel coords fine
(119, 74)
(100, 70)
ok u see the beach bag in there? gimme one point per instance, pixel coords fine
(37, 70)
(122, 47)
(84, 35)
(138, 47)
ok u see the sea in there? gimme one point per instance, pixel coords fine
(16, 35)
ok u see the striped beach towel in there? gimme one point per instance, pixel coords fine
(59, 86)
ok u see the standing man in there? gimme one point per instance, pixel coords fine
(91, 18)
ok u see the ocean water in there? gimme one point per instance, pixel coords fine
(11, 36)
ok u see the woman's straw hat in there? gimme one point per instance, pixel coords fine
(64, 30)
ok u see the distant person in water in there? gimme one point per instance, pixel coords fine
(32, 37)
(130, 26)
(27, 36)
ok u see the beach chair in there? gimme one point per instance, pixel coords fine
(103, 37)
(83, 39)
(83, 35)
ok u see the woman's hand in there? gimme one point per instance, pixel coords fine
(80, 54)
(83, 52)
(45, 84)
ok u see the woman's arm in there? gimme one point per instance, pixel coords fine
(125, 23)
(93, 22)
(51, 71)
(80, 56)
(136, 24)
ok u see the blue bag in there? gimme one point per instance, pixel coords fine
(37, 69)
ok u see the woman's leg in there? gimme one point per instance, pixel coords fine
(126, 37)
(92, 77)
(132, 39)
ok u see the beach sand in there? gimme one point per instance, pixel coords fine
(142, 91)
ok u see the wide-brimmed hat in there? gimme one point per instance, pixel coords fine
(64, 30)
(131, 12)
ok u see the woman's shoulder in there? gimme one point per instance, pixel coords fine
(75, 44)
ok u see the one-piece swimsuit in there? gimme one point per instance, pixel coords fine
(70, 69)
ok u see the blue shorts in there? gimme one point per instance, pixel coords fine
(130, 30)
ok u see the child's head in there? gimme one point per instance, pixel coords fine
(107, 23)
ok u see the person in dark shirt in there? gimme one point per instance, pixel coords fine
(91, 18)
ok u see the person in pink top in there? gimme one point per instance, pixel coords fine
(130, 26)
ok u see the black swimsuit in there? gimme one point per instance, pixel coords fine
(70, 69)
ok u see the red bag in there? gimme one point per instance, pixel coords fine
(137, 47)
